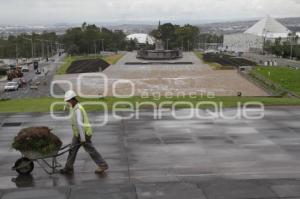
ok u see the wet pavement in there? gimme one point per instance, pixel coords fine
(167, 158)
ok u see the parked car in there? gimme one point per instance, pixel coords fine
(25, 68)
(18, 81)
(37, 72)
(12, 66)
(11, 86)
(213, 51)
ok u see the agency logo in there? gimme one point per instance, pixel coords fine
(125, 108)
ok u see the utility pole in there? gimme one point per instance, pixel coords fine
(48, 51)
(95, 47)
(102, 45)
(32, 49)
(204, 42)
(17, 54)
(51, 49)
(188, 45)
(291, 42)
(168, 44)
(291, 57)
(43, 49)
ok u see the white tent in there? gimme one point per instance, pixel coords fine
(270, 28)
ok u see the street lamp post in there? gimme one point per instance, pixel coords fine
(291, 42)
(17, 54)
(102, 45)
(95, 47)
(32, 50)
(265, 36)
(43, 46)
(168, 44)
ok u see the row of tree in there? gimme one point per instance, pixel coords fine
(284, 48)
(185, 37)
(90, 39)
(87, 39)
(25, 45)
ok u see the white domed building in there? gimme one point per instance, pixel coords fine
(253, 39)
(142, 38)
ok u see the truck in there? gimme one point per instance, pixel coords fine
(14, 73)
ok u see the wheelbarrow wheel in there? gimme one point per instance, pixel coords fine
(24, 166)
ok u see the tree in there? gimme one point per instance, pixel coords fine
(20, 46)
(177, 36)
(73, 49)
(89, 38)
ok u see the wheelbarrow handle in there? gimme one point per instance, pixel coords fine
(69, 147)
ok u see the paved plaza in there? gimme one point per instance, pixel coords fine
(197, 78)
(167, 158)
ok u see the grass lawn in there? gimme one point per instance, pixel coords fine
(112, 59)
(43, 104)
(286, 77)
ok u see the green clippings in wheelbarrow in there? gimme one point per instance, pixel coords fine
(37, 139)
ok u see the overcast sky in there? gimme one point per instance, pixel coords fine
(77, 11)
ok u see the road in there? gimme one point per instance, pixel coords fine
(48, 72)
(264, 58)
(167, 158)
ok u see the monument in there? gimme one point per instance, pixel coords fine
(159, 53)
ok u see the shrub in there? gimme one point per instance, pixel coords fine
(36, 139)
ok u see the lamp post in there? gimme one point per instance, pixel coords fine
(182, 45)
(265, 37)
(102, 45)
(32, 50)
(43, 46)
(291, 42)
(95, 47)
(168, 44)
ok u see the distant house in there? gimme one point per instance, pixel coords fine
(254, 38)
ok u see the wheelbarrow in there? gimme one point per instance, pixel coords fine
(25, 165)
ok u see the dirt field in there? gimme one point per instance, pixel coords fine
(198, 78)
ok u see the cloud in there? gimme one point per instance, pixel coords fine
(53, 11)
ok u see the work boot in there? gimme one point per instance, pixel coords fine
(101, 169)
(66, 171)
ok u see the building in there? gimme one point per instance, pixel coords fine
(253, 39)
(142, 38)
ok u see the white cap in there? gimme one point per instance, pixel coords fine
(70, 95)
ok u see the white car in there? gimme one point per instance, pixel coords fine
(25, 69)
(11, 86)
(211, 51)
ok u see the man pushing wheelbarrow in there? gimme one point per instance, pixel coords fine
(82, 135)
(38, 144)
